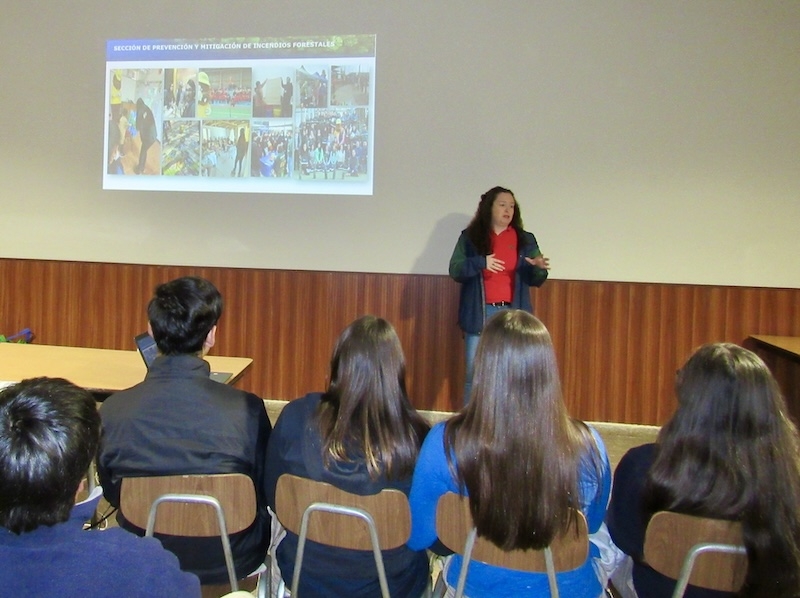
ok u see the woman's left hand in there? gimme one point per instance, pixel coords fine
(539, 261)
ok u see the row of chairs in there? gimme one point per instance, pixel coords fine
(703, 552)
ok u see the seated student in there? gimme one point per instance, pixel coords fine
(523, 462)
(179, 421)
(730, 451)
(49, 433)
(362, 436)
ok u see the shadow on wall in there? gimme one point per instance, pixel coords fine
(434, 357)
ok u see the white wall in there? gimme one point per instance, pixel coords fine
(645, 140)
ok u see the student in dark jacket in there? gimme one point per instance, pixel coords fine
(179, 421)
(362, 435)
(730, 452)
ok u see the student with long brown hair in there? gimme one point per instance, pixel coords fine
(362, 436)
(521, 459)
(729, 452)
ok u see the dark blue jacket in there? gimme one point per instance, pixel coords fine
(466, 267)
(179, 421)
(295, 447)
(627, 525)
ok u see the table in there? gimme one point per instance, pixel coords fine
(789, 345)
(782, 356)
(101, 371)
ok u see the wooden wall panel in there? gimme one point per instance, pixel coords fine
(618, 344)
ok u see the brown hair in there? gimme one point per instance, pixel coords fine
(516, 449)
(481, 224)
(731, 452)
(366, 413)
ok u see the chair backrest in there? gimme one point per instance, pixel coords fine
(325, 514)
(455, 529)
(720, 563)
(389, 509)
(234, 491)
(194, 505)
(454, 523)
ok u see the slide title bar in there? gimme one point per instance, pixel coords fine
(242, 47)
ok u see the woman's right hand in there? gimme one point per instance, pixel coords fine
(493, 264)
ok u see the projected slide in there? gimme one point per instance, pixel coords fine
(249, 115)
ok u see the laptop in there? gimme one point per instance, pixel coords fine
(149, 351)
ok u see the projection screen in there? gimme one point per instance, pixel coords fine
(248, 115)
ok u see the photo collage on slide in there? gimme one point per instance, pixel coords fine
(270, 122)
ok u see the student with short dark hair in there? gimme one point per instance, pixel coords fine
(362, 435)
(179, 421)
(182, 314)
(49, 434)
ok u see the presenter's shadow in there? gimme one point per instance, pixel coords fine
(430, 303)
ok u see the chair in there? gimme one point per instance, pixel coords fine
(323, 513)
(707, 553)
(199, 505)
(455, 529)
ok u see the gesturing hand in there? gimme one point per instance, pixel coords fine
(493, 264)
(539, 261)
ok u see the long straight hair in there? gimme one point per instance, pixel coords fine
(365, 413)
(514, 447)
(479, 228)
(731, 452)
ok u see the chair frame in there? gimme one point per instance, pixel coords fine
(695, 536)
(297, 499)
(455, 529)
(202, 499)
(238, 500)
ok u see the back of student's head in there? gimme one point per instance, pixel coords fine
(49, 433)
(515, 362)
(727, 395)
(365, 412)
(516, 448)
(731, 452)
(730, 417)
(182, 312)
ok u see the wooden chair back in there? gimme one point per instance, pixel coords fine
(389, 509)
(670, 537)
(454, 523)
(234, 491)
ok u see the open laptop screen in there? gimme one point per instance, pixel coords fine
(147, 348)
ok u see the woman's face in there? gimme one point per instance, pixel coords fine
(502, 210)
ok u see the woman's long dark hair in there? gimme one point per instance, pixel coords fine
(481, 224)
(731, 452)
(516, 449)
(365, 413)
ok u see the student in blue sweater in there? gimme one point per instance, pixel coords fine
(521, 459)
(49, 433)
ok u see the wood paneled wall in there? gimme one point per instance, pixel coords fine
(618, 344)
